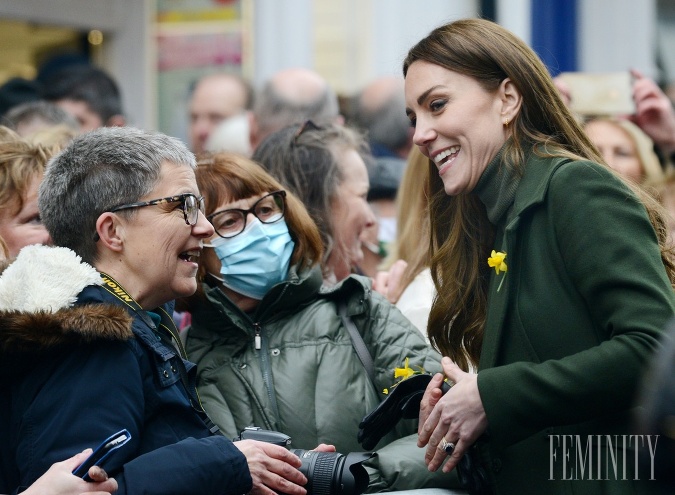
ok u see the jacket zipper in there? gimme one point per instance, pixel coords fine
(266, 368)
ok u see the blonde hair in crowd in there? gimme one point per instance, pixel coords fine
(652, 172)
(4, 250)
(412, 218)
(21, 161)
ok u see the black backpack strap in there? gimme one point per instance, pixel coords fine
(357, 341)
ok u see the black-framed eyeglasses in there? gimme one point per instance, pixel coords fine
(231, 222)
(189, 203)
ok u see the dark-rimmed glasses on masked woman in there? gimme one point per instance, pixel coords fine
(231, 222)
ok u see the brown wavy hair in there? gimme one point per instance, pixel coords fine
(4, 250)
(461, 234)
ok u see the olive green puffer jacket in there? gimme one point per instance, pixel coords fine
(290, 366)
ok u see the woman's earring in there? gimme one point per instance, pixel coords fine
(506, 122)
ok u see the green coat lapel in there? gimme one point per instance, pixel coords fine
(531, 192)
(498, 301)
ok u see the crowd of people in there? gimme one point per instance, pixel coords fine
(303, 255)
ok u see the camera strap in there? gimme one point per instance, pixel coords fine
(168, 333)
(357, 341)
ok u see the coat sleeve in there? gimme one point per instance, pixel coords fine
(610, 254)
(98, 389)
(400, 465)
(170, 469)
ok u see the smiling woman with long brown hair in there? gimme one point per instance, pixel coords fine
(553, 274)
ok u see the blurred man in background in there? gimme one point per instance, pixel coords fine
(215, 98)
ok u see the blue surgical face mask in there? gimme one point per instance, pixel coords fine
(255, 260)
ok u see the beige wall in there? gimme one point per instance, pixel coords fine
(23, 44)
(127, 54)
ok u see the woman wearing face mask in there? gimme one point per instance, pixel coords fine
(270, 346)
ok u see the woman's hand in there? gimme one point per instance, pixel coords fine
(60, 480)
(458, 416)
(654, 112)
(273, 468)
(389, 283)
(564, 90)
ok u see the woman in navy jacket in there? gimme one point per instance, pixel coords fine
(87, 342)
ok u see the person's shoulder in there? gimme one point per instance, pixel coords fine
(356, 292)
(568, 169)
(354, 284)
(547, 167)
(575, 176)
(546, 175)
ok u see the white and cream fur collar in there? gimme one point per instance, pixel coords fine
(44, 278)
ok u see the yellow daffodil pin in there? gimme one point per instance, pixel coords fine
(497, 261)
(404, 373)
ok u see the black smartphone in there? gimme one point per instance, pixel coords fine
(101, 453)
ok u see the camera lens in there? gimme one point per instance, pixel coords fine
(331, 473)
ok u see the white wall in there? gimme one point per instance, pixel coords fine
(354, 41)
(617, 35)
(398, 24)
(282, 36)
(515, 16)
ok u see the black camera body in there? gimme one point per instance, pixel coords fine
(268, 436)
(327, 473)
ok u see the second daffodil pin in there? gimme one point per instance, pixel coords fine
(497, 261)
(404, 373)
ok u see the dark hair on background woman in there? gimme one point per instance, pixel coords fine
(304, 158)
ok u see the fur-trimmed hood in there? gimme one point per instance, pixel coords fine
(38, 291)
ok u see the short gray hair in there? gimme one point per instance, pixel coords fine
(98, 171)
(41, 111)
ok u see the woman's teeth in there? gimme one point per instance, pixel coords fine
(192, 256)
(440, 158)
